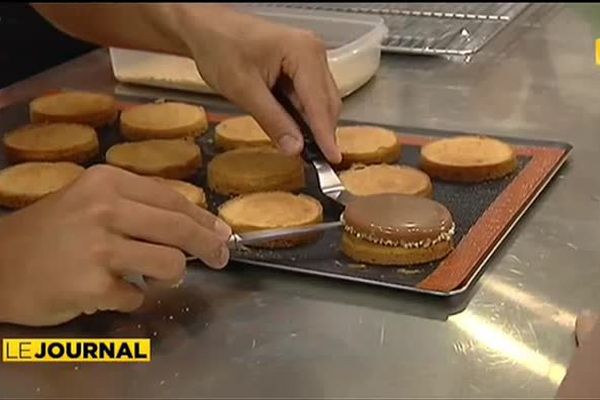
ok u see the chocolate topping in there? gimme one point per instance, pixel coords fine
(397, 218)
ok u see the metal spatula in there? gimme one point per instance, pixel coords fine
(239, 240)
(267, 235)
(329, 182)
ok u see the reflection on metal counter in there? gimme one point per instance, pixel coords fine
(502, 343)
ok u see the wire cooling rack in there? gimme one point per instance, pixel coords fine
(431, 28)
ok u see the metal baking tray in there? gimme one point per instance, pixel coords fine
(454, 29)
(484, 213)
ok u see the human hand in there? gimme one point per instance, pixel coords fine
(239, 55)
(66, 254)
(243, 57)
(584, 325)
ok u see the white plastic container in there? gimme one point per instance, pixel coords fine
(353, 43)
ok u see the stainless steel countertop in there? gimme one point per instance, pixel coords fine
(250, 332)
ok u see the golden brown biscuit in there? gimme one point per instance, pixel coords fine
(272, 210)
(191, 192)
(468, 159)
(367, 145)
(169, 120)
(86, 108)
(395, 229)
(51, 142)
(24, 184)
(363, 180)
(255, 169)
(242, 131)
(173, 159)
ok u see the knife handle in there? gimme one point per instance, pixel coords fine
(311, 151)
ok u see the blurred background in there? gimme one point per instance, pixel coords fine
(30, 45)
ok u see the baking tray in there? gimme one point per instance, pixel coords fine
(484, 213)
(431, 28)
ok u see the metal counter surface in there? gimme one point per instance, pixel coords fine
(252, 332)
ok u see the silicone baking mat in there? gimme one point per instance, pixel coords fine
(484, 213)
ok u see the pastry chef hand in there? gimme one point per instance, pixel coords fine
(66, 254)
(243, 57)
(239, 55)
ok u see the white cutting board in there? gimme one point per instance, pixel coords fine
(174, 72)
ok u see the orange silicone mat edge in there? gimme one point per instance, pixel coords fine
(484, 235)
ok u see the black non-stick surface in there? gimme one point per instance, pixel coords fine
(466, 202)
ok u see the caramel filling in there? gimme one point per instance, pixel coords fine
(421, 244)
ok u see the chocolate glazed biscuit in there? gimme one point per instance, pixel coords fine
(394, 229)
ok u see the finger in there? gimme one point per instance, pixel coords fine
(169, 228)
(291, 94)
(286, 85)
(154, 193)
(584, 325)
(161, 263)
(121, 296)
(335, 106)
(297, 104)
(335, 109)
(255, 98)
(311, 83)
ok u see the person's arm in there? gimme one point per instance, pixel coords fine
(239, 55)
(144, 26)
